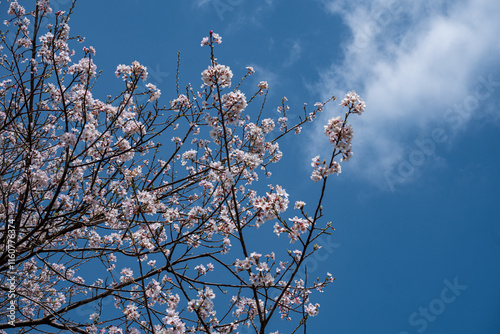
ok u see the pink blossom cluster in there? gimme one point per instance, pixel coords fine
(130, 72)
(299, 295)
(340, 136)
(153, 92)
(261, 275)
(270, 206)
(204, 305)
(85, 69)
(355, 104)
(180, 103)
(263, 86)
(215, 38)
(118, 198)
(16, 9)
(217, 75)
(322, 170)
(297, 227)
(233, 103)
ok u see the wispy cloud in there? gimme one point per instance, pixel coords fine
(295, 53)
(248, 14)
(411, 61)
(201, 3)
(265, 74)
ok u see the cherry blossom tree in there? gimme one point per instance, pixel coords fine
(123, 215)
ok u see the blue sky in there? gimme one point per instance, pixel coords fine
(417, 241)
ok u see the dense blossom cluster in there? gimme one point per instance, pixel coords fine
(129, 72)
(270, 206)
(355, 104)
(136, 218)
(340, 135)
(233, 103)
(321, 170)
(217, 75)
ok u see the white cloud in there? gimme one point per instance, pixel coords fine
(411, 61)
(240, 14)
(201, 3)
(295, 53)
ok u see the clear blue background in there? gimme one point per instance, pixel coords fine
(399, 233)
